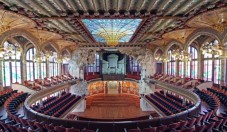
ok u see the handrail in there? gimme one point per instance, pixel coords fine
(114, 125)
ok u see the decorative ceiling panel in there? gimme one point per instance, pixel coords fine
(119, 29)
(158, 16)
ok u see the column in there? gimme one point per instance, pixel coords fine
(164, 67)
(222, 72)
(40, 69)
(47, 67)
(185, 68)
(177, 68)
(1, 85)
(24, 75)
(200, 65)
(60, 68)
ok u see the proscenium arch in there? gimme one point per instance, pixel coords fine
(202, 31)
(19, 32)
(170, 44)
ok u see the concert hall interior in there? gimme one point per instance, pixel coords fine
(113, 65)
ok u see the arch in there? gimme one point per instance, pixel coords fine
(52, 44)
(67, 50)
(157, 49)
(202, 31)
(170, 44)
(19, 32)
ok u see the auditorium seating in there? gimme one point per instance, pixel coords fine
(57, 106)
(168, 104)
(17, 122)
(37, 84)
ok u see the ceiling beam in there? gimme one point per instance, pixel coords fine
(83, 17)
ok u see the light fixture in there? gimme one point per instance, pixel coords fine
(212, 48)
(37, 58)
(159, 57)
(181, 55)
(48, 54)
(9, 50)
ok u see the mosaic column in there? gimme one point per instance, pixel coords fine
(164, 67)
(60, 68)
(222, 69)
(47, 68)
(177, 68)
(1, 81)
(24, 75)
(40, 70)
(185, 68)
(200, 66)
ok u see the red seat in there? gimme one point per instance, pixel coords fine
(188, 130)
(152, 129)
(72, 130)
(161, 128)
(22, 129)
(199, 128)
(191, 122)
(174, 125)
(60, 129)
(49, 127)
(87, 130)
(209, 126)
(134, 130)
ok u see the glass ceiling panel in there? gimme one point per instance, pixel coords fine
(119, 29)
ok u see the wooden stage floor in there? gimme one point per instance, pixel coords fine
(110, 107)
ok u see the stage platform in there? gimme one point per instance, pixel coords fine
(113, 107)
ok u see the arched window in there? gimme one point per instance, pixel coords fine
(192, 66)
(212, 67)
(32, 68)
(53, 66)
(11, 65)
(171, 64)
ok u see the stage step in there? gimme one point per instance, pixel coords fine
(112, 100)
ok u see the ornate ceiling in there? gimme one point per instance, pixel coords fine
(159, 18)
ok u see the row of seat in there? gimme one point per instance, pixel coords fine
(47, 82)
(172, 101)
(210, 98)
(5, 94)
(177, 80)
(220, 93)
(58, 105)
(16, 122)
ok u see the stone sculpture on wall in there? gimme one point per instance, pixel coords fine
(80, 58)
(79, 89)
(144, 57)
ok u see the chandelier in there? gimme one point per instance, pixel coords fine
(159, 57)
(48, 54)
(212, 48)
(9, 50)
(181, 55)
(38, 58)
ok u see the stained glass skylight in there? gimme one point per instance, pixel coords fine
(111, 30)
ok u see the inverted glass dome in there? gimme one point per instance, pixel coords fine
(112, 30)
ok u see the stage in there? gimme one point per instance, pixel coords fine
(113, 107)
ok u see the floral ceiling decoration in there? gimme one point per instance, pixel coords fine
(112, 31)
